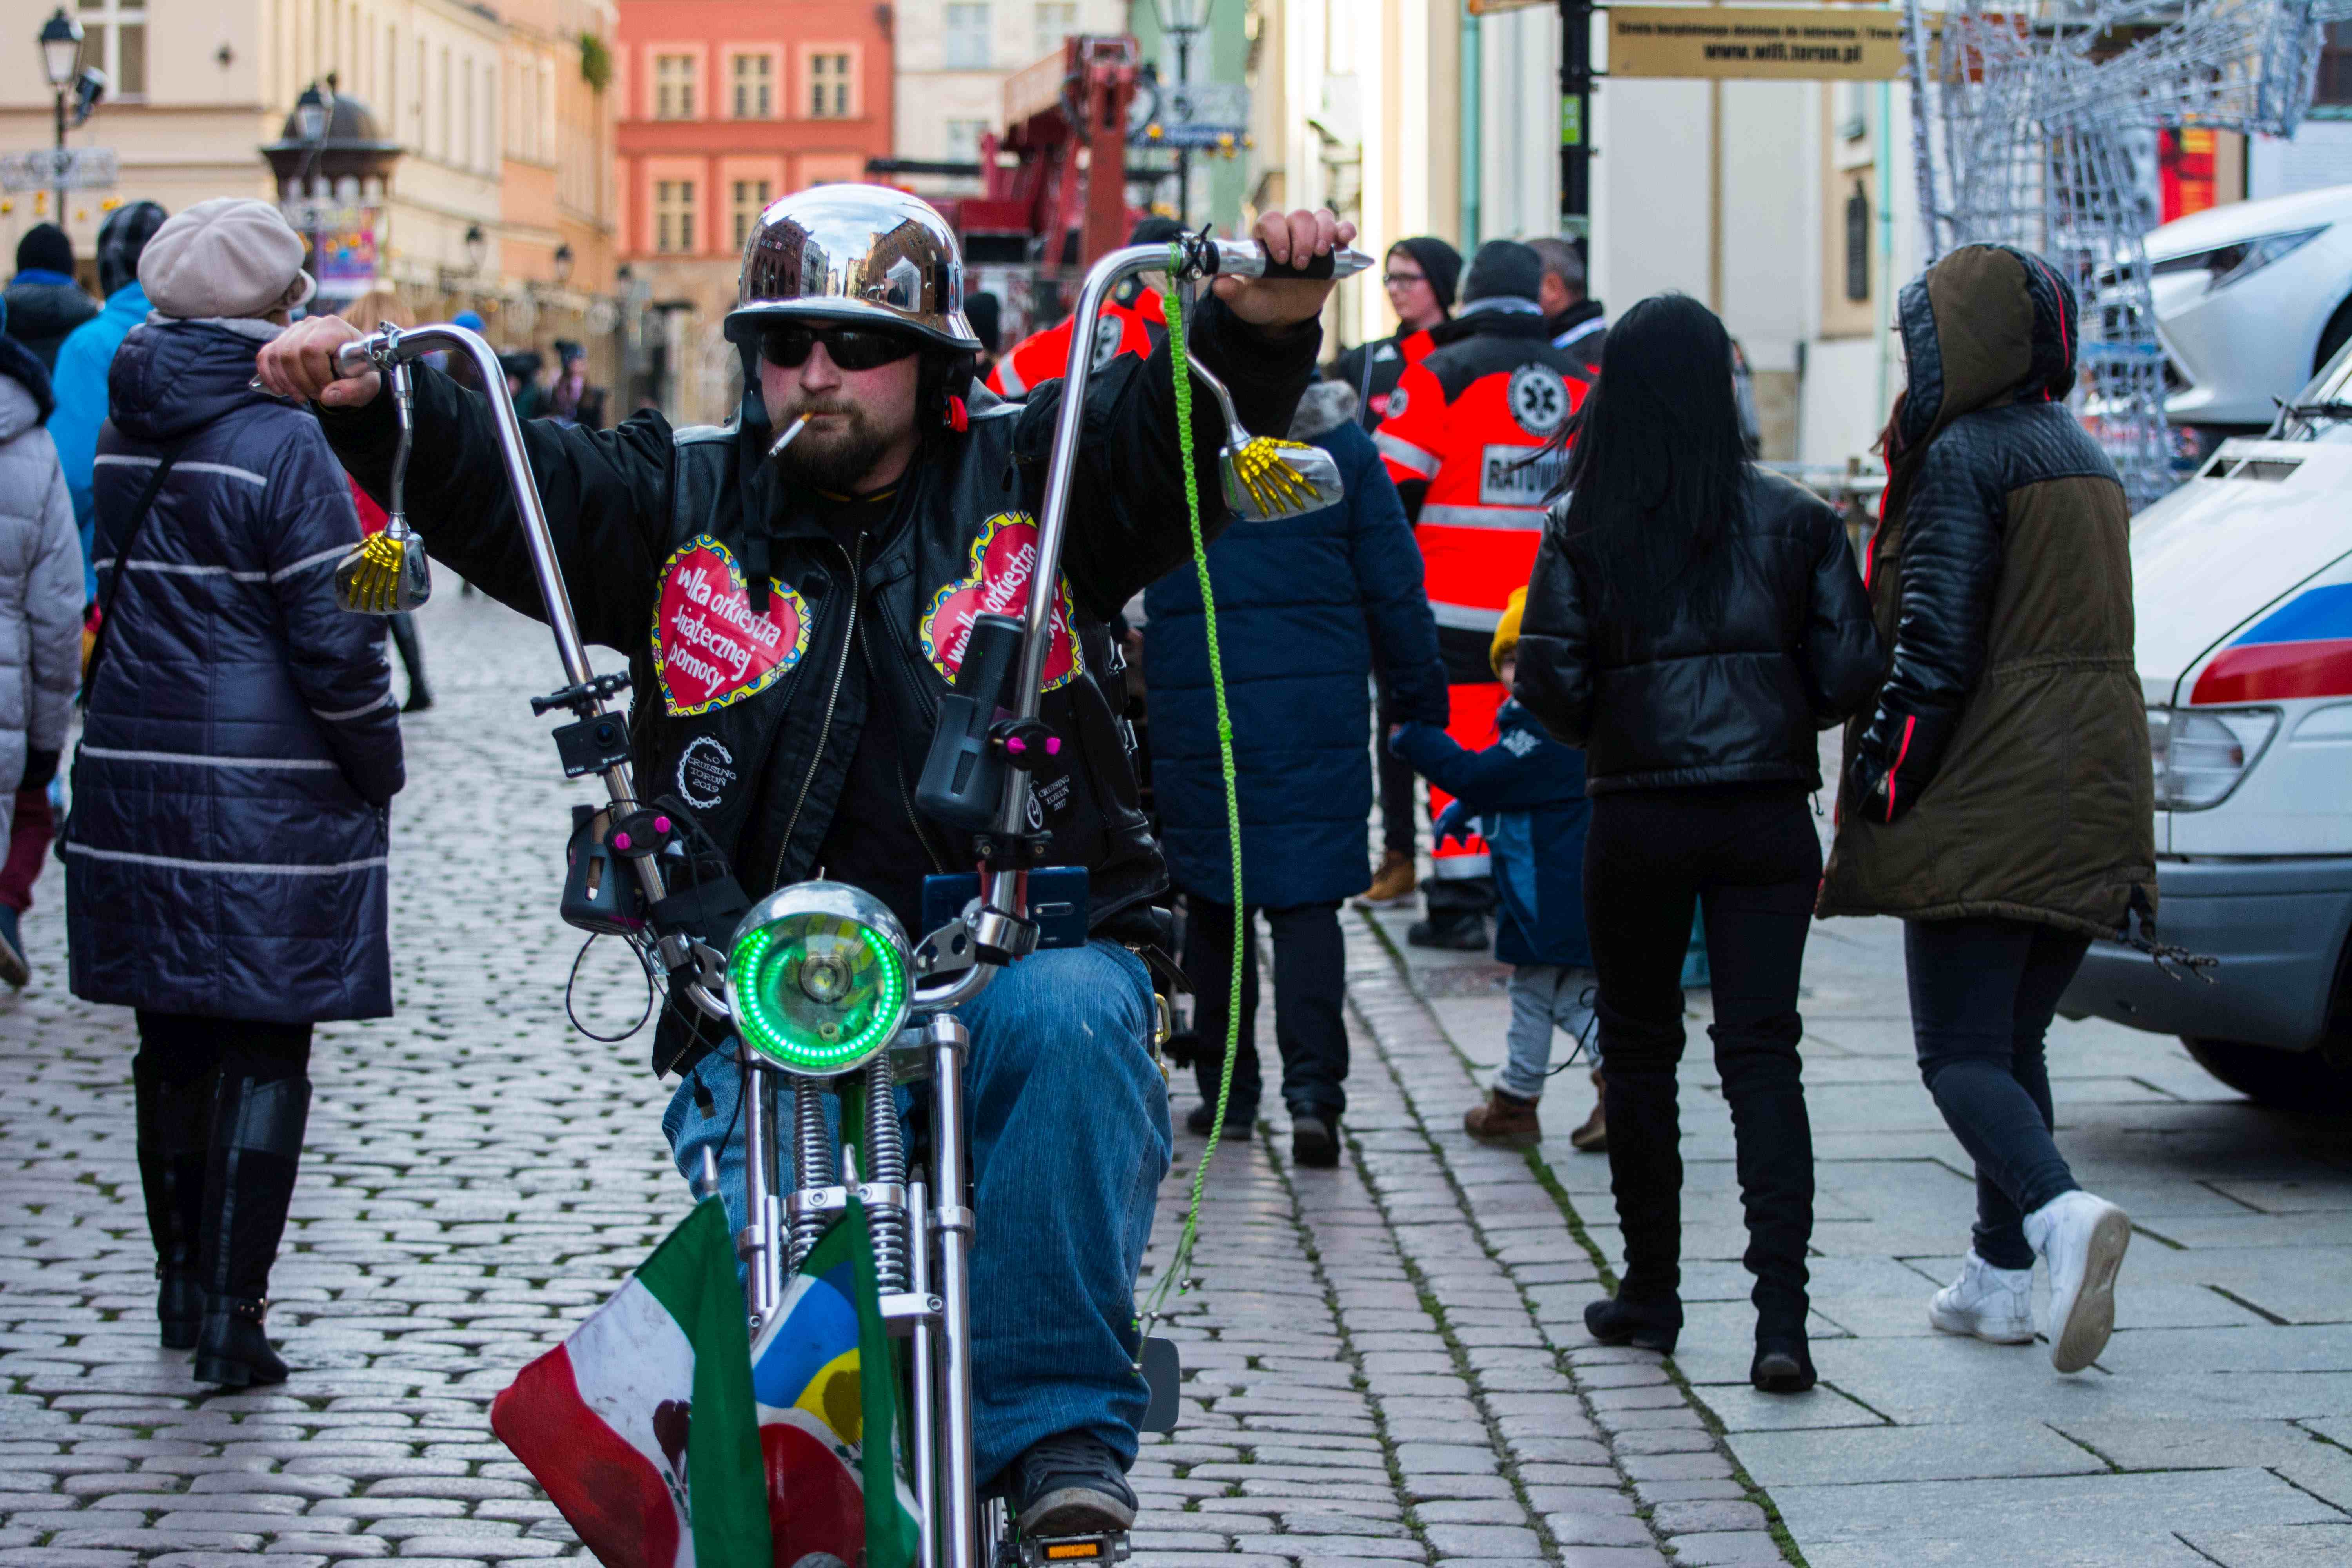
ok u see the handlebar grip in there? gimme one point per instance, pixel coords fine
(1317, 268)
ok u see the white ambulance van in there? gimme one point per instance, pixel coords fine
(2242, 580)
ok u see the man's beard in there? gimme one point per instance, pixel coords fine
(836, 459)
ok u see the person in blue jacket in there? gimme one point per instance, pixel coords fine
(1307, 607)
(79, 384)
(1527, 790)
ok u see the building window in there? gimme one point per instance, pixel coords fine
(963, 140)
(674, 215)
(967, 37)
(829, 87)
(673, 86)
(755, 86)
(752, 199)
(1057, 20)
(114, 39)
(2335, 83)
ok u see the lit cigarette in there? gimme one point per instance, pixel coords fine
(777, 447)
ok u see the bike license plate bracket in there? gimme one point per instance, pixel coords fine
(1057, 902)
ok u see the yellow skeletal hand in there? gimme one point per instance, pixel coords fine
(1273, 483)
(369, 576)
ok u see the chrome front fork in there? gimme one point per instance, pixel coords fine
(922, 1252)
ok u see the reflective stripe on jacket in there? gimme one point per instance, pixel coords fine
(1465, 441)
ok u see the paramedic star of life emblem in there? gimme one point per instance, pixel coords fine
(1538, 399)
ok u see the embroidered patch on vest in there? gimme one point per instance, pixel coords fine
(710, 649)
(997, 583)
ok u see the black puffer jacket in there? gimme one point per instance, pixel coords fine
(227, 851)
(1735, 697)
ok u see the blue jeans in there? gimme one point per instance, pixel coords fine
(1068, 1119)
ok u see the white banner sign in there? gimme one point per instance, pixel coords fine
(48, 168)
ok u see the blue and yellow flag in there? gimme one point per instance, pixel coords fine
(828, 1432)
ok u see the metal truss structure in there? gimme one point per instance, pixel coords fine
(2033, 122)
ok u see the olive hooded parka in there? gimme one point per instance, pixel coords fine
(2003, 768)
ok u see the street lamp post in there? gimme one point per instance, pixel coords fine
(1180, 20)
(60, 57)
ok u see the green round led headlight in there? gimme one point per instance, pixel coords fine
(818, 978)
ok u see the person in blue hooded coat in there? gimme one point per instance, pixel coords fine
(225, 858)
(86, 355)
(1307, 607)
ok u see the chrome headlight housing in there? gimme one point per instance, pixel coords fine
(818, 977)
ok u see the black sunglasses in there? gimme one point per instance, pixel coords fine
(851, 348)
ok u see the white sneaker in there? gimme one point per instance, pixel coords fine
(1993, 1304)
(2081, 1238)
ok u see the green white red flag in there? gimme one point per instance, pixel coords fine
(641, 1425)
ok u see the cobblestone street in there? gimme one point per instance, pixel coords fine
(1385, 1363)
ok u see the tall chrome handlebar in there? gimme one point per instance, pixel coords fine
(1202, 257)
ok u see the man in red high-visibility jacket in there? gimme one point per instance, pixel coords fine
(1474, 440)
(1133, 321)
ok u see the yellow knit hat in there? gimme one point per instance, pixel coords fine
(1507, 632)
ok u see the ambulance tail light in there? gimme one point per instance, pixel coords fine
(2202, 753)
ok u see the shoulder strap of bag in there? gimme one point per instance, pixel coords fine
(170, 455)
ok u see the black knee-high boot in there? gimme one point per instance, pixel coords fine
(1762, 1081)
(256, 1143)
(1645, 1175)
(175, 1123)
(412, 658)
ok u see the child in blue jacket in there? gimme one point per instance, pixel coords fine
(1527, 790)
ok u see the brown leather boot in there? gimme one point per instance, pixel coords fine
(1505, 1119)
(1393, 884)
(1593, 1136)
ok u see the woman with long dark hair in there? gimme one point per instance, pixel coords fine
(1693, 622)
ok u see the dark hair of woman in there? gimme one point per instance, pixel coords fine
(1658, 472)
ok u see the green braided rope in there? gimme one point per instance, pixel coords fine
(1182, 1263)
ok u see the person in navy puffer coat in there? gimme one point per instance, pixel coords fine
(1307, 606)
(226, 854)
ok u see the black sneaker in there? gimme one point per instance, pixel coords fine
(1458, 933)
(1203, 1116)
(1314, 1139)
(1069, 1485)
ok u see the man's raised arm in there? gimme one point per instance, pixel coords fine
(605, 493)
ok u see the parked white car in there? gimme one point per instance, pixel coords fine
(2243, 586)
(2252, 299)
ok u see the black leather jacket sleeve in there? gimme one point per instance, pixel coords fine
(1841, 655)
(607, 493)
(1950, 554)
(1127, 523)
(1555, 674)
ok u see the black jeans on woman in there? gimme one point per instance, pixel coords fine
(222, 1103)
(1310, 978)
(1983, 991)
(1749, 859)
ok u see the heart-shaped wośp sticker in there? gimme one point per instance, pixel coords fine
(1003, 558)
(710, 648)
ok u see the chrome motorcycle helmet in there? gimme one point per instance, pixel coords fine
(863, 254)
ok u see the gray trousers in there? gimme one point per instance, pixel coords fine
(1544, 997)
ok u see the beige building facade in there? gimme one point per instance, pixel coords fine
(500, 131)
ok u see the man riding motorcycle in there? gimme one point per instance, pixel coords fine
(792, 618)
